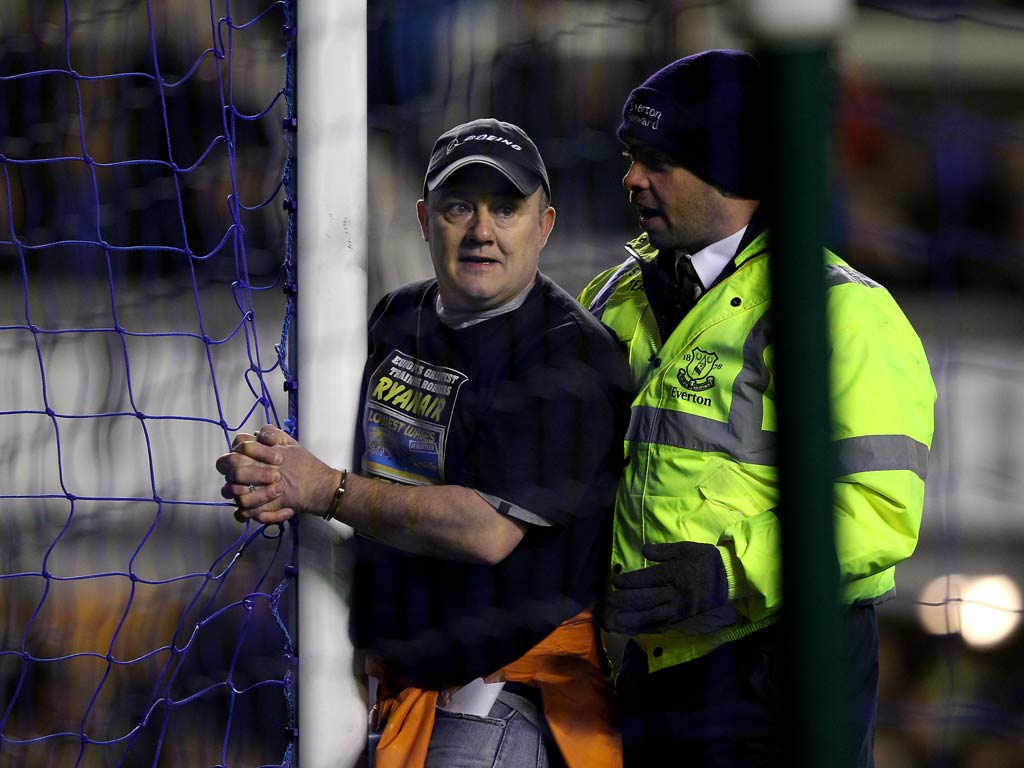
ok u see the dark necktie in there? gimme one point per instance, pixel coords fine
(690, 286)
(673, 289)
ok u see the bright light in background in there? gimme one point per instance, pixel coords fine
(990, 612)
(985, 610)
(938, 608)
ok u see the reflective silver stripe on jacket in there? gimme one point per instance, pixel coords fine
(880, 452)
(600, 301)
(698, 433)
(743, 438)
(836, 274)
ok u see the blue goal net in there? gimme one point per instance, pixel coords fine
(145, 237)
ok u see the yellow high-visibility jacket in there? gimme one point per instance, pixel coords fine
(699, 449)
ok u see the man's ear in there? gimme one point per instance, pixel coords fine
(421, 214)
(547, 223)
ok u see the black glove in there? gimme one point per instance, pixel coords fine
(689, 579)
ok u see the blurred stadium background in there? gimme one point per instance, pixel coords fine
(928, 180)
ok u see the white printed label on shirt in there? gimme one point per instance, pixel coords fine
(408, 414)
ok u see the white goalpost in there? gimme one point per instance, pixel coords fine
(332, 184)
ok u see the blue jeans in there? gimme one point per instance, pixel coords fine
(503, 739)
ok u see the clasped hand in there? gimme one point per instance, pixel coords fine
(271, 476)
(689, 578)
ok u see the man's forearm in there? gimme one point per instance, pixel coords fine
(444, 521)
(272, 477)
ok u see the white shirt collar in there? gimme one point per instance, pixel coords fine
(710, 261)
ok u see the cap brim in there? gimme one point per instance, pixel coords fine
(524, 180)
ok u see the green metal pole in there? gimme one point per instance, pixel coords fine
(797, 84)
(794, 38)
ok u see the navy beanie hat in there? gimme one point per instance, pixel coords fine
(703, 111)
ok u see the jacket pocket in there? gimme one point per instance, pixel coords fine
(728, 497)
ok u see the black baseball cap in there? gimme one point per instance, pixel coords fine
(503, 146)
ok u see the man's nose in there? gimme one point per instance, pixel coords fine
(481, 226)
(635, 178)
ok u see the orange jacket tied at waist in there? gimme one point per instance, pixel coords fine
(576, 694)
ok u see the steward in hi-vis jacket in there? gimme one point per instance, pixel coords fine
(695, 589)
(699, 462)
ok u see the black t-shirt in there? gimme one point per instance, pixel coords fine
(528, 406)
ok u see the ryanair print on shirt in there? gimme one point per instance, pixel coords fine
(408, 415)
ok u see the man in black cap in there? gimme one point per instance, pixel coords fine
(695, 592)
(493, 408)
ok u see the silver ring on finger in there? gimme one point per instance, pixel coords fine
(251, 487)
